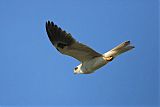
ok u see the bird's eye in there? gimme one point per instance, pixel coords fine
(76, 68)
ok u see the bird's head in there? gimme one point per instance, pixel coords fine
(78, 70)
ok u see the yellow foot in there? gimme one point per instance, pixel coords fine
(109, 58)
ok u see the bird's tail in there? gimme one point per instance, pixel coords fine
(123, 47)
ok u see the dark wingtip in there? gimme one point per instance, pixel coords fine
(128, 42)
(47, 23)
(133, 46)
(50, 23)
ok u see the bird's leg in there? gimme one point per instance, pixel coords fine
(110, 58)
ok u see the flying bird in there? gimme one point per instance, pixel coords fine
(89, 58)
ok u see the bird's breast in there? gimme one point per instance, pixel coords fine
(92, 65)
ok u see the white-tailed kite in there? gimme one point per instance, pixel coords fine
(89, 58)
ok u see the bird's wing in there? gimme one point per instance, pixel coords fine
(67, 45)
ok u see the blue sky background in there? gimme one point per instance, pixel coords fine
(33, 73)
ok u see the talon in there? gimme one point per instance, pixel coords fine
(109, 58)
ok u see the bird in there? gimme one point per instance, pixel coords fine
(89, 59)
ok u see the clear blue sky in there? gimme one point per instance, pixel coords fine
(32, 72)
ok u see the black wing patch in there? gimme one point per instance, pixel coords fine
(57, 36)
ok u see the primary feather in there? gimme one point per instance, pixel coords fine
(67, 45)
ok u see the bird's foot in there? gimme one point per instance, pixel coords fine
(109, 58)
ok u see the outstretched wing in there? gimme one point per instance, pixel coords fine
(67, 45)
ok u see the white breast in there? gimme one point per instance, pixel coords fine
(91, 65)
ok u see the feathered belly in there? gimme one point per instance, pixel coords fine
(92, 65)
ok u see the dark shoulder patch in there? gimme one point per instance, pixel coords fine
(61, 45)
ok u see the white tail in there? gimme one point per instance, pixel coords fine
(123, 47)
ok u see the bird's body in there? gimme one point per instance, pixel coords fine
(90, 66)
(89, 58)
